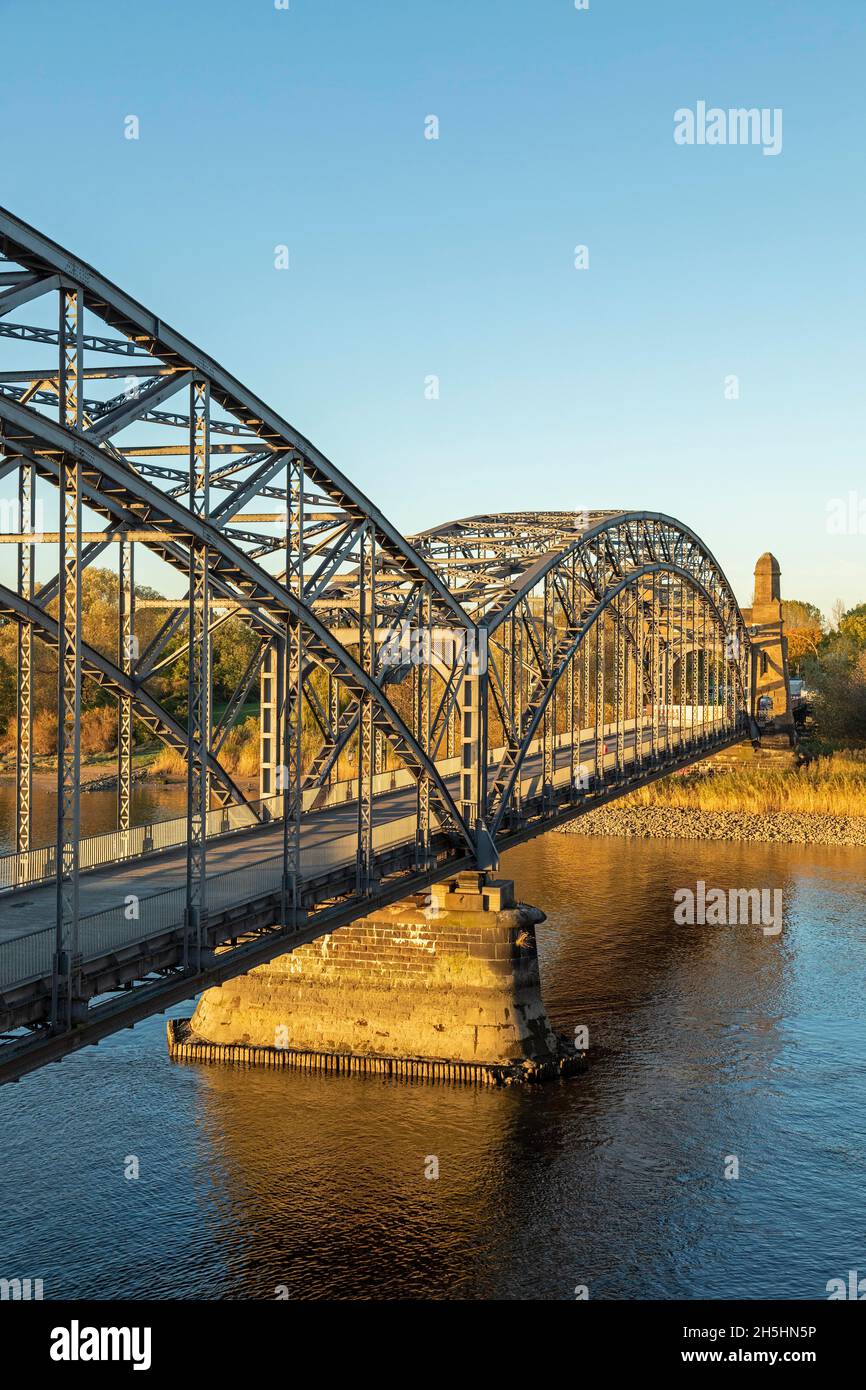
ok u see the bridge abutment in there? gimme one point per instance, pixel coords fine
(771, 684)
(445, 987)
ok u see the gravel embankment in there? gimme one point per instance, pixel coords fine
(674, 823)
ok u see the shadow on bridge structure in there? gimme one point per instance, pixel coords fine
(425, 702)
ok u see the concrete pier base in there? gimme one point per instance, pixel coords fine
(445, 987)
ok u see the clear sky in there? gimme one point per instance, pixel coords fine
(411, 257)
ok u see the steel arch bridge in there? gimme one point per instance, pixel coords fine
(482, 681)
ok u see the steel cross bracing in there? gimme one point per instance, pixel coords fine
(424, 702)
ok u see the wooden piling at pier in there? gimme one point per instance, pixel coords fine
(184, 1047)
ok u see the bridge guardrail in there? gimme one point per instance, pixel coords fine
(20, 869)
(29, 957)
(29, 867)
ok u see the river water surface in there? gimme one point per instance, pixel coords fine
(706, 1044)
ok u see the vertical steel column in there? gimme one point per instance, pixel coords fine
(423, 708)
(270, 715)
(518, 639)
(473, 734)
(619, 685)
(640, 639)
(705, 673)
(716, 690)
(198, 705)
(509, 677)
(731, 662)
(126, 657)
(570, 698)
(694, 645)
(655, 664)
(599, 695)
(334, 719)
(600, 666)
(746, 668)
(548, 727)
(24, 719)
(66, 961)
(469, 720)
(586, 649)
(669, 665)
(293, 702)
(681, 642)
(366, 728)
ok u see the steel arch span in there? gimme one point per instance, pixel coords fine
(424, 702)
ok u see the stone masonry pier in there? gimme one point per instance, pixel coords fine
(445, 987)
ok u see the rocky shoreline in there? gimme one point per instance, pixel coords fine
(92, 779)
(681, 823)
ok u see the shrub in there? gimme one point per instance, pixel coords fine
(44, 734)
(98, 730)
(239, 754)
(169, 762)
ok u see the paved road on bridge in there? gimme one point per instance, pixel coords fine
(33, 909)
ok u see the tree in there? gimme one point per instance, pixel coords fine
(840, 684)
(804, 627)
(797, 613)
(99, 629)
(803, 642)
(234, 643)
(852, 626)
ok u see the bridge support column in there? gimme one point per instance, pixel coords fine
(447, 986)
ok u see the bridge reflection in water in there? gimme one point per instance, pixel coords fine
(487, 679)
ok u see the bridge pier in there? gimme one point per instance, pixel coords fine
(442, 987)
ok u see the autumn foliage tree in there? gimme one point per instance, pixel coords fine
(233, 646)
(804, 628)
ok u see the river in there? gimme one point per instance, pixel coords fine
(706, 1044)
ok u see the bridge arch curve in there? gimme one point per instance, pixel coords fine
(560, 574)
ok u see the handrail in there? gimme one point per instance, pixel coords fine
(29, 957)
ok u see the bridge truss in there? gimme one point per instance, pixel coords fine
(482, 681)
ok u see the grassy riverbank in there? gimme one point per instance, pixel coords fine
(833, 784)
(822, 802)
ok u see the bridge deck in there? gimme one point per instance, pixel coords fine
(32, 909)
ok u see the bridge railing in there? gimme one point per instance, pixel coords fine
(28, 867)
(31, 867)
(19, 869)
(135, 919)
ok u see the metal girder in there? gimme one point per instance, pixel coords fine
(293, 684)
(125, 659)
(64, 983)
(24, 711)
(29, 247)
(367, 746)
(593, 621)
(199, 684)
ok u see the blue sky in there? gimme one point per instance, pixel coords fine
(409, 257)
